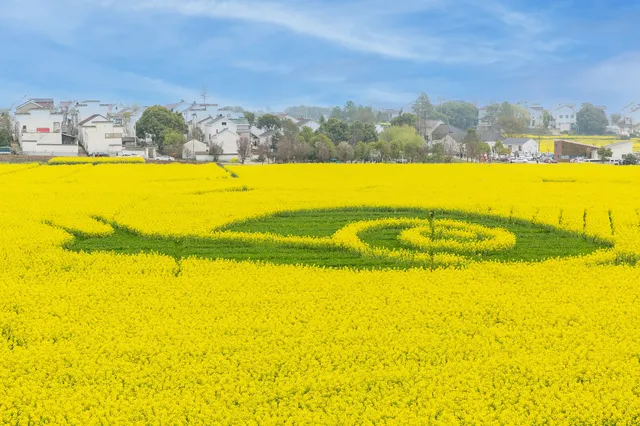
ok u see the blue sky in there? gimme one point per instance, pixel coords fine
(277, 53)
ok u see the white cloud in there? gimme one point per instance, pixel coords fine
(617, 76)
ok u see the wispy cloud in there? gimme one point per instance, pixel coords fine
(617, 75)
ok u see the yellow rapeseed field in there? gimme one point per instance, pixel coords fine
(472, 327)
(547, 141)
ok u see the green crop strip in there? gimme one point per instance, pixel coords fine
(534, 242)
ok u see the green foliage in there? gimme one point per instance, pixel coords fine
(344, 152)
(546, 119)
(325, 150)
(508, 118)
(534, 242)
(500, 149)
(615, 118)
(460, 114)
(401, 142)
(422, 107)
(591, 120)
(172, 143)
(268, 122)
(629, 160)
(472, 144)
(5, 137)
(156, 121)
(362, 151)
(605, 154)
(336, 130)
(306, 135)
(365, 132)
(251, 117)
(406, 119)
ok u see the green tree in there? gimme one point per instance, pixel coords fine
(591, 120)
(362, 151)
(460, 114)
(336, 112)
(251, 118)
(156, 121)
(499, 149)
(349, 111)
(615, 118)
(422, 107)
(401, 139)
(306, 135)
(344, 152)
(406, 119)
(325, 149)
(472, 144)
(172, 143)
(629, 160)
(546, 119)
(438, 153)
(513, 119)
(336, 130)
(269, 122)
(605, 154)
(5, 137)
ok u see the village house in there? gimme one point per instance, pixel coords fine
(99, 135)
(451, 138)
(228, 140)
(38, 130)
(522, 146)
(565, 118)
(196, 151)
(620, 149)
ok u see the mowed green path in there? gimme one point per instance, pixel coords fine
(534, 242)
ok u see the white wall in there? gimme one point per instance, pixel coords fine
(87, 109)
(621, 150)
(529, 148)
(565, 117)
(211, 130)
(229, 142)
(102, 137)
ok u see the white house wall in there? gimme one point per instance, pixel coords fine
(102, 138)
(619, 151)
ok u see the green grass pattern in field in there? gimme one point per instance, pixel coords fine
(534, 242)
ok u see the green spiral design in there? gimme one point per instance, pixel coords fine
(363, 238)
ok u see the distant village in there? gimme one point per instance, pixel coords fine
(42, 127)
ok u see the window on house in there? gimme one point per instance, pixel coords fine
(520, 148)
(56, 126)
(224, 123)
(572, 116)
(24, 128)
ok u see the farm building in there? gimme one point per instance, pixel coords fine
(619, 149)
(521, 146)
(565, 150)
(196, 150)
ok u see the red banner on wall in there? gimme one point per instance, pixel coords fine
(43, 130)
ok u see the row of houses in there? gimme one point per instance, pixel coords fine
(564, 118)
(43, 127)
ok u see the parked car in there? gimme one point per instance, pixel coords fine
(165, 158)
(99, 154)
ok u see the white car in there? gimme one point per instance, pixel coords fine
(165, 158)
(519, 160)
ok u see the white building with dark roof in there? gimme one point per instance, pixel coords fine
(97, 134)
(522, 146)
(619, 149)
